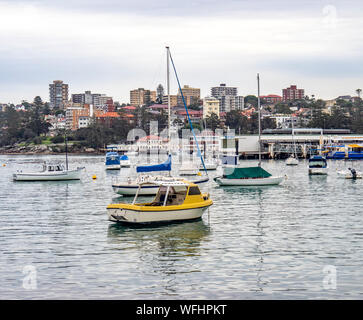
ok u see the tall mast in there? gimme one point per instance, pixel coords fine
(65, 140)
(259, 120)
(168, 92)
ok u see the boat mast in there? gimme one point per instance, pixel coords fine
(168, 92)
(65, 139)
(259, 119)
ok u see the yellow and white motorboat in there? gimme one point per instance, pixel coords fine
(174, 201)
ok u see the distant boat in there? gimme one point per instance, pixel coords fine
(248, 176)
(318, 166)
(210, 164)
(112, 161)
(50, 172)
(131, 186)
(351, 151)
(292, 161)
(125, 161)
(188, 168)
(351, 173)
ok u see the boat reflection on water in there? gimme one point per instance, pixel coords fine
(182, 238)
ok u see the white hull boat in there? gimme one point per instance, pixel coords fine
(273, 180)
(349, 174)
(132, 216)
(292, 161)
(188, 169)
(318, 166)
(318, 171)
(130, 188)
(209, 165)
(125, 163)
(174, 201)
(113, 167)
(49, 175)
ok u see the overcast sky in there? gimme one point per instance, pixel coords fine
(114, 46)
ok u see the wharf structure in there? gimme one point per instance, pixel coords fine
(279, 144)
(275, 143)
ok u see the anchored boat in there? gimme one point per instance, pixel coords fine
(125, 161)
(351, 173)
(148, 182)
(248, 176)
(112, 161)
(292, 161)
(50, 172)
(174, 201)
(318, 166)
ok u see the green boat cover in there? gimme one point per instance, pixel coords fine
(250, 172)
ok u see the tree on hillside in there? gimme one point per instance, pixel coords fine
(358, 91)
(159, 93)
(251, 99)
(212, 121)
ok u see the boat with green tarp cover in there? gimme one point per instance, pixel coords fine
(248, 176)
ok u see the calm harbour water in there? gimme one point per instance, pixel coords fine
(274, 242)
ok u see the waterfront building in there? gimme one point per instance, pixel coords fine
(152, 144)
(293, 93)
(209, 143)
(210, 105)
(58, 94)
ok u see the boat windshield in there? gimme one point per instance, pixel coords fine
(175, 196)
(317, 164)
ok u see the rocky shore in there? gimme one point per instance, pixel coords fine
(46, 149)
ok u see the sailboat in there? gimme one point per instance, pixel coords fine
(131, 186)
(250, 176)
(51, 172)
(292, 160)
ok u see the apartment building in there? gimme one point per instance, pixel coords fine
(210, 105)
(58, 94)
(191, 95)
(293, 93)
(228, 98)
(141, 96)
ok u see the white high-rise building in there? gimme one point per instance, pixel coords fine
(228, 98)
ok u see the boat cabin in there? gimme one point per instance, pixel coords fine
(317, 162)
(53, 167)
(175, 193)
(112, 158)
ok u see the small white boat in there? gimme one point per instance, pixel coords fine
(174, 201)
(125, 161)
(148, 184)
(112, 161)
(188, 169)
(210, 164)
(250, 176)
(292, 161)
(318, 166)
(349, 174)
(51, 172)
